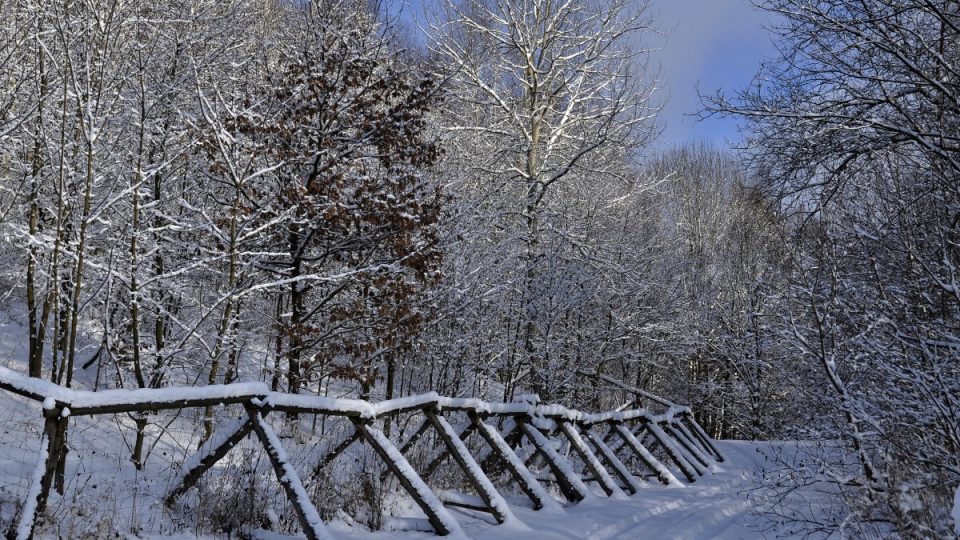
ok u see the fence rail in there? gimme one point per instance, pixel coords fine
(603, 443)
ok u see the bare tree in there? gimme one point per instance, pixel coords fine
(725, 249)
(549, 91)
(856, 128)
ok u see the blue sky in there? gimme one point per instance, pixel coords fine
(710, 44)
(713, 44)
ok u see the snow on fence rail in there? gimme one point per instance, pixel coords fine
(605, 444)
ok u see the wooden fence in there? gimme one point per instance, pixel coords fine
(604, 443)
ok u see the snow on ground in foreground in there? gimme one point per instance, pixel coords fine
(104, 485)
(956, 512)
(717, 506)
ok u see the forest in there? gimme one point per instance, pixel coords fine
(334, 200)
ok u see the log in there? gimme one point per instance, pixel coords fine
(310, 522)
(663, 474)
(461, 500)
(415, 437)
(441, 520)
(209, 453)
(511, 438)
(438, 460)
(590, 460)
(485, 488)
(407, 445)
(334, 452)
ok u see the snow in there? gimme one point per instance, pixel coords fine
(555, 458)
(712, 507)
(715, 507)
(291, 480)
(25, 526)
(50, 393)
(38, 389)
(49, 403)
(485, 407)
(486, 486)
(459, 403)
(559, 411)
(956, 512)
(141, 396)
(346, 407)
(616, 416)
(718, 507)
(409, 402)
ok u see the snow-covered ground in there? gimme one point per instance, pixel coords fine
(956, 512)
(104, 492)
(721, 505)
(717, 506)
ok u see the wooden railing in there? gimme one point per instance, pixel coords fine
(604, 444)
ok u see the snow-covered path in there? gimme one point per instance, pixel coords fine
(717, 506)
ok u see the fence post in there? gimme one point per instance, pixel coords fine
(441, 520)
(309, 518)
(42, 477)
(663, 474)
(491, 497)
